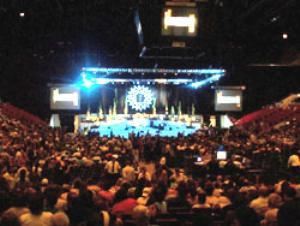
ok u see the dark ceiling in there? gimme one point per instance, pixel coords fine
(54, 38)
(103, 31)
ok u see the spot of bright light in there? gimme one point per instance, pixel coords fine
(274, 19)
(285, 36)
(22, 14)
(86, 81)
(102, 81)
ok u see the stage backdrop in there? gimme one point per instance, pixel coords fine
(174, 97)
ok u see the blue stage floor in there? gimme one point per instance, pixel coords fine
(145, 126)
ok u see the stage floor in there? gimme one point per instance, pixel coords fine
(144, 126)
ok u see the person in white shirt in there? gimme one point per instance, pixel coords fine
(128, 172)
(113, 166)
(113, 169)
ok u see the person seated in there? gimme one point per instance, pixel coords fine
(9, 219)
(260, 204)
(141, 215)
(201, 202)
(288, 213)
(19, 204)
(60, 219)
(36, 216)
(274, 203)
(124, 201)
(180, 201)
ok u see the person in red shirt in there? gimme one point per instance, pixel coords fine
(124, 203)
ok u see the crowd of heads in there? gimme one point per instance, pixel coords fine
(50, 177)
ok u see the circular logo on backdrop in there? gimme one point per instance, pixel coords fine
(140, 97)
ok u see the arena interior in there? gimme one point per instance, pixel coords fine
(149, 113)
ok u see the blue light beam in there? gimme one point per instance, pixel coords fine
(206, 81)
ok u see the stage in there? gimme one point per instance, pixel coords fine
(139, 124)
(154, 101)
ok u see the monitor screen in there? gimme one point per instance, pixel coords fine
(221, 155)
(64, 98)
(180, 21)
(199, 159)
(228, 100)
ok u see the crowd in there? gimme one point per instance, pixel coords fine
(53, 178)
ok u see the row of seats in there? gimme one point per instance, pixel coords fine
(183, 217)
(19, 114)
(270, 116)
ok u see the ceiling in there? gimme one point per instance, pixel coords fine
(44, 41)
(53, 38)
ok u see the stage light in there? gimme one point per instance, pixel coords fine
(285, 36)
(86, 80)
(140, 97)
(102, 81)
(22, 14)
(206, 81)
(87, 83)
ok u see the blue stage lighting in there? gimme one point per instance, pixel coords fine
(86, 80)
(206, 81)
(197, 85)
(152, 70)
(140, 97)
(102, 81)
(87, 83)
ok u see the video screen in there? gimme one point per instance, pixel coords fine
(228, 100)
(221, 155)
(64, 98)
(180, 21)
(148, 98)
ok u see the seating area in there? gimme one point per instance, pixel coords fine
(19, 114)
(270, 116)
(90, 180)
(184, 217)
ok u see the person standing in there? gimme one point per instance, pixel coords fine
(128, 172)
(113, 169)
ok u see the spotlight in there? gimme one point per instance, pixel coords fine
(86, 80)
(274, 19)
(22, 14)
(285, 36)
(87, 83)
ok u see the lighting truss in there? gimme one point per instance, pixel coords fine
(152, 70)
(146, 76)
